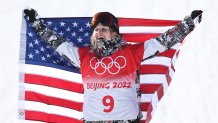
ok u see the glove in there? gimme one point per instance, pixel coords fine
(197, 13)
(32, 14)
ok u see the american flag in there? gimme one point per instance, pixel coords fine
(51, 90)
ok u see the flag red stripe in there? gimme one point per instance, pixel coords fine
(168, 79)
(49, 118)
(160, 92)
(149, 115)
(149, 88)
(54, 82)
(142, 121)
(153, 69)
(177, 53)
(168, 53)
(145, 105)
(146, 22)
(172, 67)
(130, 37)
(34, 96)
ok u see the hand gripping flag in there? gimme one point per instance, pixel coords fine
(50, 88)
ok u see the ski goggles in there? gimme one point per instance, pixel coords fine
(106, 19)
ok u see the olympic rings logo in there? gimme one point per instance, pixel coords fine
(101, 67)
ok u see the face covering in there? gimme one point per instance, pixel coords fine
(108, 47)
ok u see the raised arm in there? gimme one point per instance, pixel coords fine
(172, 36)
(50, 37)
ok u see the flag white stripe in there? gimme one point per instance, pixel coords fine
(155, 79)
(146, 97)
(174, 59)
(54, 92)
(159, 60)
(51, 109)
(144, 113)
(144, 29)
(29, 121)
(154, 103)
(52, 72)
(171, 72)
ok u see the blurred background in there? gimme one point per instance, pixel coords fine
(193, 94)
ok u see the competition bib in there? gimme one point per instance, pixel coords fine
(110, 101)
(109, 85)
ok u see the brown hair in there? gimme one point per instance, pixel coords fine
(115, 35)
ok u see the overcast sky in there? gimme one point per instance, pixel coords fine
(192, 95)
